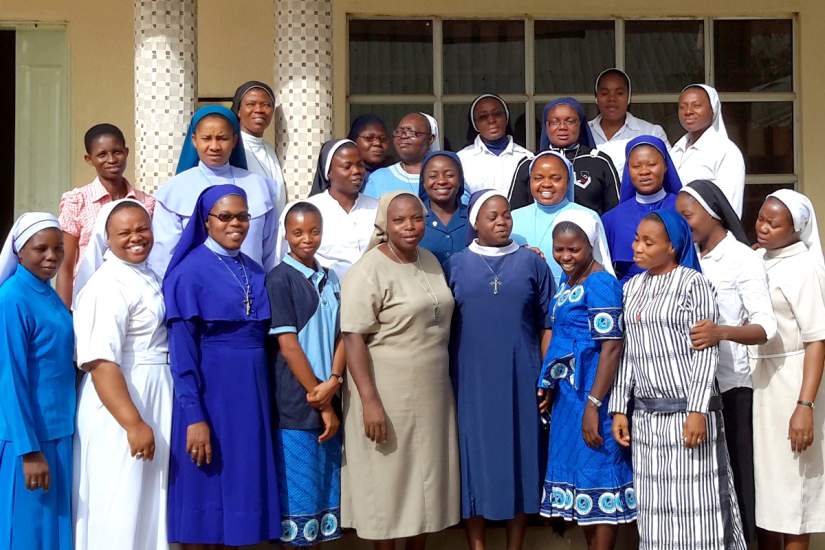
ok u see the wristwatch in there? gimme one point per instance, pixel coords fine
(594, 400)
(337, 377)
(809, 404)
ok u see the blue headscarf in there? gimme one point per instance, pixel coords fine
(194, 234)
(571, 177)
(678, 231)
(189, 155)
(422, 193)
(671, 183)
(585, 137)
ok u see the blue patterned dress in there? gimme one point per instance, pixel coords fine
(588, 486)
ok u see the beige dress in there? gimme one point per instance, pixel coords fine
(790, 488)
(409, 484)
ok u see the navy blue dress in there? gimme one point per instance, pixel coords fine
(220, 370)
(495, 363)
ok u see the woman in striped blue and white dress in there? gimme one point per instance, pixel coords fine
(681, 469)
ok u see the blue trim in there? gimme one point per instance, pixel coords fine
(589, 506)
(308, 530)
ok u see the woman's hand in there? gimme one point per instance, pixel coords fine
(36, 471)
(801, 428)
(535, 250)
(198, 443)
(695, 430)
(321, 395)
(590, 426)
(375, 421)
(141, 441)
(704, 334)
(331, 424)
(545, 400)
(621, 429)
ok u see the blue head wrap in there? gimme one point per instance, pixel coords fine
(571, 177)
(422, 193)
(189, 155)
(194, 234)
(678, 231)
(585, 137)
(671, 184)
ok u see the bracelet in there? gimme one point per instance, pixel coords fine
(809, 404)
(594, 400)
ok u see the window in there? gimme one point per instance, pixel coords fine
(439, 65)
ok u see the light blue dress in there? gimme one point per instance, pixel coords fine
(388, 179)
(588, 486)
(176, 201)
(37, 408)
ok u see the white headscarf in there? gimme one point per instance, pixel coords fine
(590, 225)
(282, 245)
(26, 227)
(717, 124)
(436, 144)
(472, 215)
(804, 220)
(93, 256)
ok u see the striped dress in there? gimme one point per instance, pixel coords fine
(686, 498)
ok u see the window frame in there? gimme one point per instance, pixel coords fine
(530, 98)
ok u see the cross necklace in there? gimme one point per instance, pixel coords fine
(496, 283)
(245, 288)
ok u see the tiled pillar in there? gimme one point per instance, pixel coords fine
(165, 85)
(303, 86)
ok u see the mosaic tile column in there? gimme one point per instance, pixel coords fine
(303, 85)
(165, 85)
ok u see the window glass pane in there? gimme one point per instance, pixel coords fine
(764, 133)
(483, 55)
(665, 115)
(390, 56)
(457, 125)
(569, 55)
(390, 113)
(753, 56)
(754, 197)
(664, 56)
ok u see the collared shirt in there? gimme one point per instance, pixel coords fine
(346, 234)
(388, 179)
(738, 274)
(79, 209)
(615, 146)
(445, 240)
(715, 158)
(485, 170)
(304, 302)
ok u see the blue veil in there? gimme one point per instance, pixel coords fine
(189, 155)
(585, 136)
(671, 183)
(678, 231)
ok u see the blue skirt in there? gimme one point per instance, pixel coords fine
(36, 520)
(588, 486)
(309, 475)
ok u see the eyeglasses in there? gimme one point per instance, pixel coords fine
(374, 138)
(489, 117)
(567, 122)
(226, 217)
(408, 133)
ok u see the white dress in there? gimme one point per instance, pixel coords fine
(790, 487)
(118, 501)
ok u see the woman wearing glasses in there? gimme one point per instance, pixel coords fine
(223, 488)
(213, 155)
(565, 131)
(415, 135)
(490, 161)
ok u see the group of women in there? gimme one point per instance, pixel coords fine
(480, 336)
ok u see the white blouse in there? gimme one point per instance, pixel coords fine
(714, 158)
(346, 234)
(614, 147)
(485, 170)
(262, 159)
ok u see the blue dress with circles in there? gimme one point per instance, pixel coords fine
(588, 486)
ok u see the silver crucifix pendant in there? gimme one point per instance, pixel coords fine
(496, 284)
